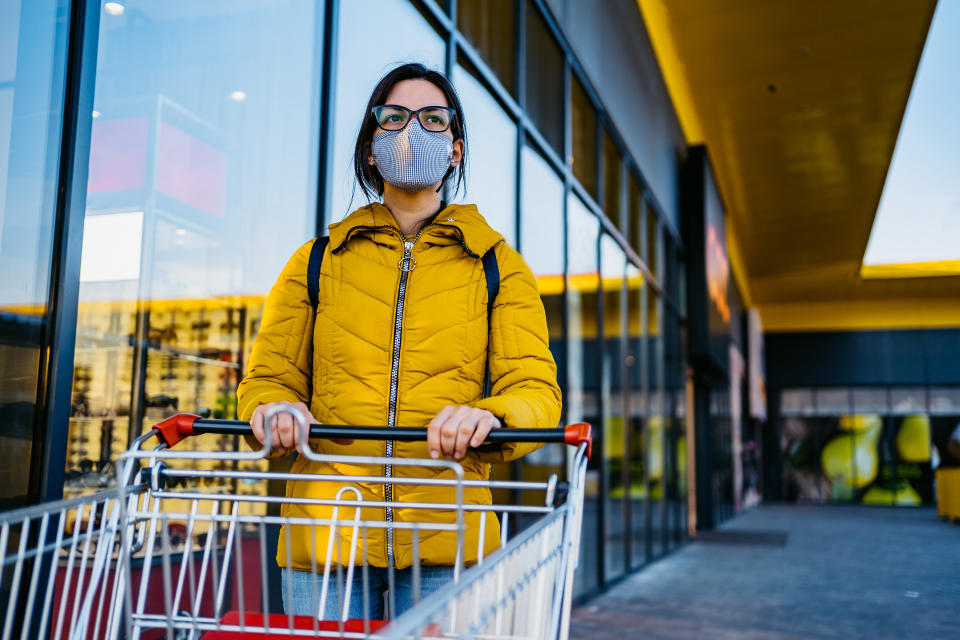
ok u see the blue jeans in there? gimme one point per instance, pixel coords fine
(301, 598)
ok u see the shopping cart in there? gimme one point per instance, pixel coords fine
(161, 556)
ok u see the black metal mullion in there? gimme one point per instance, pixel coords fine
(450, 39)
(56, 374)
(520, 84)
(327, 96)
(566, 175)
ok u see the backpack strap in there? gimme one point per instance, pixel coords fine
(313, 270)
(491, 271)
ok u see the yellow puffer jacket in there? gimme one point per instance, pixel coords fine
(346, 356)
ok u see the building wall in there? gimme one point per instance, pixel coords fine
(846, 358)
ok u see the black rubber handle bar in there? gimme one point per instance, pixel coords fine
(176, 428)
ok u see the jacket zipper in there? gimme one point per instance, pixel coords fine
(406, 265)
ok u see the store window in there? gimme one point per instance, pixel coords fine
(541, 240)
(674, 432)
(544, 79)
(368, 48)
(612, 166)
(583, 369)
(584, 142)
(614, 434)
(541, 243)
(867, 445)
(656, 436)
(635, 206)
(32, 40)
(637, 408)
(202, 184)
(651, 254)
(492, 155)
(491, 27)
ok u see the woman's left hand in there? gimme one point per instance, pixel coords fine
(455, 428)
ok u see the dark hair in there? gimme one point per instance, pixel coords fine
(368, 176)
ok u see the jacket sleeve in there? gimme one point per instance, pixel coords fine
(523, 373)
(280, 361)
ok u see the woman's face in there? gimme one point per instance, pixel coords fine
(416, 94)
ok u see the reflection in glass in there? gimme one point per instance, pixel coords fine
(33, 33)
(202, 184)
(656, 425)
(614, 436)
(652, 254)
(368, 48)
(584, 142)
(491, 27)
(544, 79)
(637, 403)
(830, 402)
(492, 166)
(635, 207)
(674, 434)
(582, 367)
(612, 164)
(722, 448)
(541, 242)
(796, 402)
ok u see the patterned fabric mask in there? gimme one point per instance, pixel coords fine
(413, 158)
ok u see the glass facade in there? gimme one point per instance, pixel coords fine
(222, 139)
(32, 65)
(202, 183)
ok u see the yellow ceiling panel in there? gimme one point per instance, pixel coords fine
(799, 104)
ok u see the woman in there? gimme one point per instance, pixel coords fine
(400, 337)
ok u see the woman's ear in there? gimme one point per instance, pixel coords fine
(366, 148)
(457, 154)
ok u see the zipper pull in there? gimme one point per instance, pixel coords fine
(407, 263)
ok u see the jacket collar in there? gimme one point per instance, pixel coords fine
(461, 220)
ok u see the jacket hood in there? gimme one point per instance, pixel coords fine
(462, 219)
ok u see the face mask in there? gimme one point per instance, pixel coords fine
(412, 159)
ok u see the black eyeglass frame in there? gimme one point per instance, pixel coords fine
(410, 115)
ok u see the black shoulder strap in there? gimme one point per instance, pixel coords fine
(491, 271)
(313, 270)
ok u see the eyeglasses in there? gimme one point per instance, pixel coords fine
(392, 117)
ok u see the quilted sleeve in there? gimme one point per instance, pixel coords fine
(280, 361)
(523, 373)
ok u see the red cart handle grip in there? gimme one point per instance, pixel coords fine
(175, 428)
(579, 433)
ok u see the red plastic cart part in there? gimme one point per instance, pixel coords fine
(279, 626)
(578, 433)
(176, 428)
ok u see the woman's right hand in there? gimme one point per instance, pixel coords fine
(283, 428)
(284, 433)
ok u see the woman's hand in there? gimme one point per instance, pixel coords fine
(455, 428)
(284, 432)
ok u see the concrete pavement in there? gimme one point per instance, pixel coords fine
(794, 572)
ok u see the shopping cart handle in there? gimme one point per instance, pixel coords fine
(176, 428)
